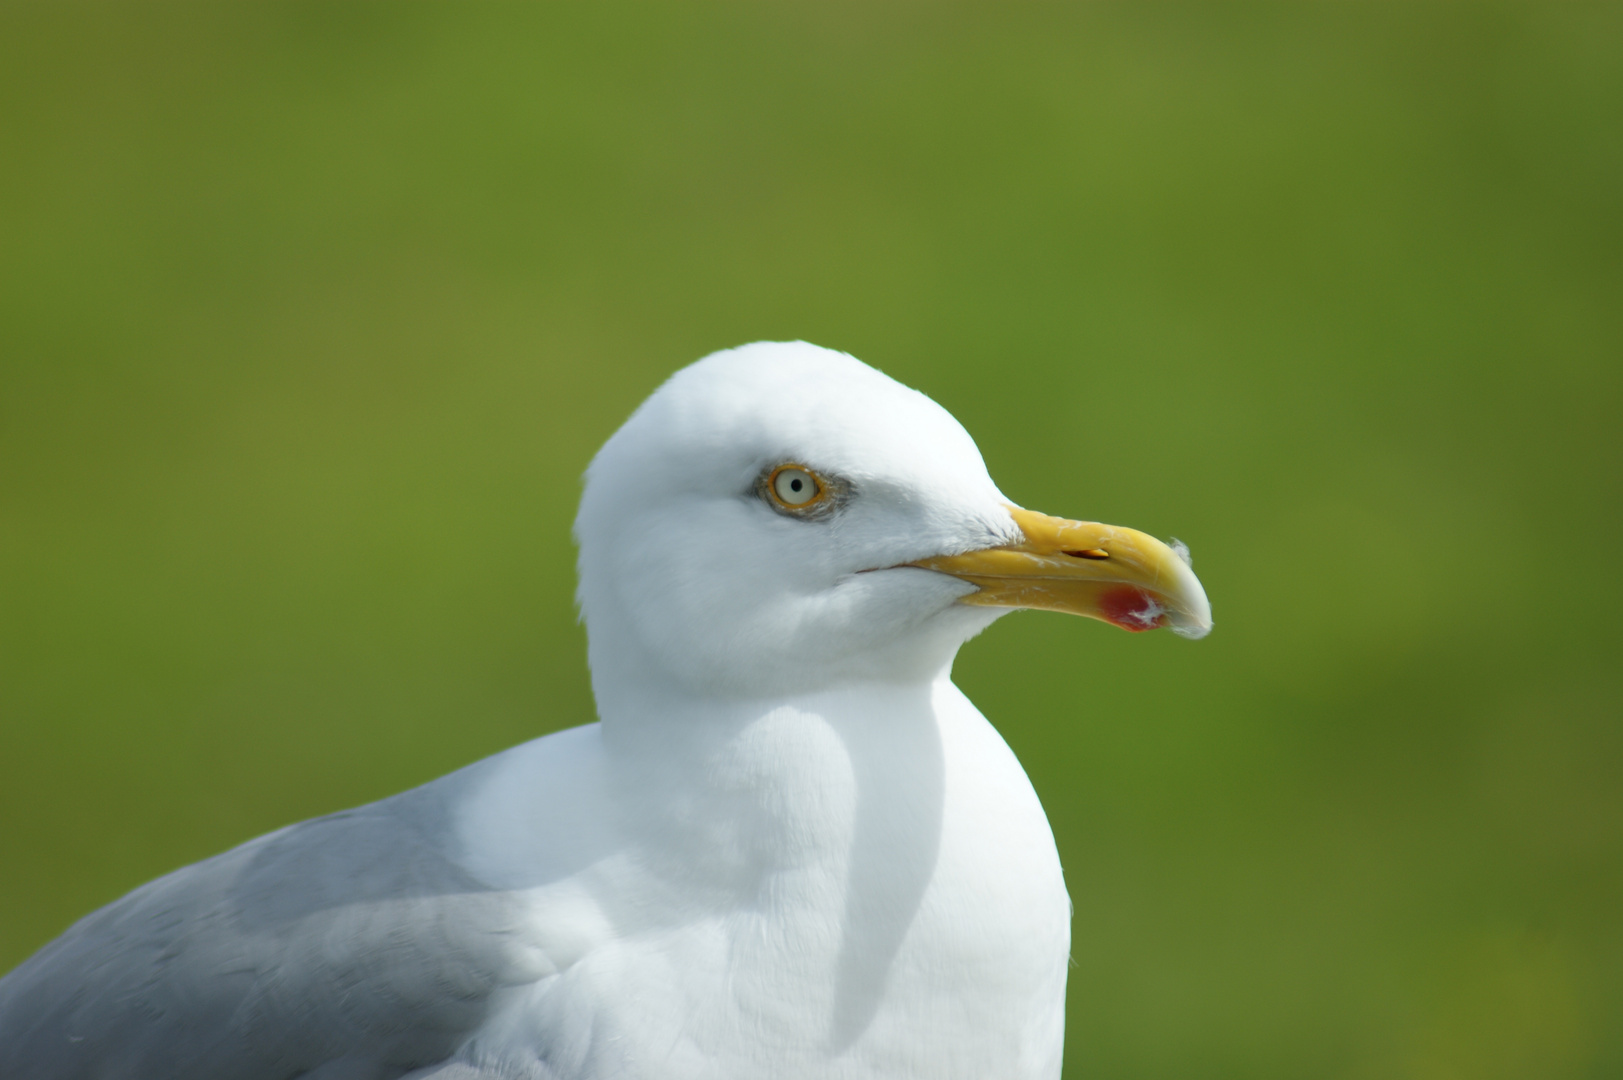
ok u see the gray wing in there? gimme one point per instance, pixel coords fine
(347, 946)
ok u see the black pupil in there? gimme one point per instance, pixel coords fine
(795, 484)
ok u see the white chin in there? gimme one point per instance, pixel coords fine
(907, 622)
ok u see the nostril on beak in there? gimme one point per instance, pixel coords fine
(1090, 553)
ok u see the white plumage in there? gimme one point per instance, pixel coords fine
(790, 848)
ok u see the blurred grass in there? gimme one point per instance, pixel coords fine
(311, 316)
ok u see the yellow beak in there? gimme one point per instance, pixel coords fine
(1122, 576)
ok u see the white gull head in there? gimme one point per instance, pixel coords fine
(697, 578)
(693, 575)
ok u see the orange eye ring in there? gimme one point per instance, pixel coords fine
(795, 488)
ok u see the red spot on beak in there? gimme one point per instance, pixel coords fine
(1132, 609)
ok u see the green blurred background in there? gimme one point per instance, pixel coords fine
(312, 315)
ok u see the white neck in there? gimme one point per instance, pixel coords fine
(783, 858)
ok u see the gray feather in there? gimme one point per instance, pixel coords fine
(349, 947)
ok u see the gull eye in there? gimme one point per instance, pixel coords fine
(794, 487)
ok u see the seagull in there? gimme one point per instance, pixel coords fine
(789, 847)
